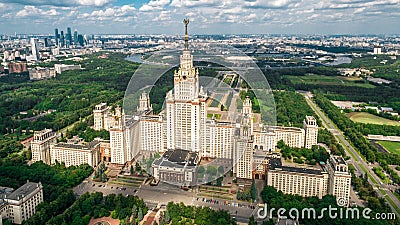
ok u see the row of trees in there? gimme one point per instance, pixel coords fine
(327, 138)
(357, 139)
(249, 194)
(190, 215)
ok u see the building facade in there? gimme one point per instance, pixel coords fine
(21, 204)
(40, 145)
(311, 131)
(75, 154)
(339, 178)
(332, 178)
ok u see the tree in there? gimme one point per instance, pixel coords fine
(201, 169)
(167, 216)
(114, 214)
(131, 170)
(140, 214)
(252, 221)
(221, 170)
(253, 190)
(138, 168)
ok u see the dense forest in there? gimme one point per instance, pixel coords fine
(71, 95)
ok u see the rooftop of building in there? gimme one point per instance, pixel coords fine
(78, 146)
(338, 159)
(23, 191)
(41, 132)
(277, 165)
(178, 158)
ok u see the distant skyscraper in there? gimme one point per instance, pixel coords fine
(69, 36)
(35, 48)
(56, 36)
(75, 37)
(46, 44)
(62, 40)
(80, 39)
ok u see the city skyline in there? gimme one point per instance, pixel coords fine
(208, 16)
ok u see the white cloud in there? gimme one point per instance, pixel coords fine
(267, 4)
(32, 11)
(195, 3)
(112, 14)
(61, 3)
(154, 5)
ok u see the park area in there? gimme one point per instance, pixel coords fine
(391, 146)
(363, 117)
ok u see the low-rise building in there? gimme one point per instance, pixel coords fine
(301, 181)
(63, 67)
(20, 205)
(332, 178)
(39, 73)
(75, 154)
(176, 167)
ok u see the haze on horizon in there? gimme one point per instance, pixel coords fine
(206, 16)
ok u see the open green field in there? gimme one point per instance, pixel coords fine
(327, 80)
(363, 117)
(391, 146)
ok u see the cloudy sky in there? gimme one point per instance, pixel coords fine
(206, 16)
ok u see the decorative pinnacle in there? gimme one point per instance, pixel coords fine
(186, 22)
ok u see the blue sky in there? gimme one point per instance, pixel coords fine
(207, 16)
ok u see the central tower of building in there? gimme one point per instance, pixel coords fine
(185, 108)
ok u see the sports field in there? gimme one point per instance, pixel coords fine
(363, 117)
(328, 80)
(391, 146)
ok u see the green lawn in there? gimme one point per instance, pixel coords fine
(391, 146)
(328, 80)
(363, 117)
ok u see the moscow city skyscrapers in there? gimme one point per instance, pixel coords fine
(68, 39)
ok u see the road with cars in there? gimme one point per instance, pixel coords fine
(362, 167)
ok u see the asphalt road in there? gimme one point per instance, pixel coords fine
(162, 194)
(357, 160)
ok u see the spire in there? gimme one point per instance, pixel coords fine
(186, 22)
